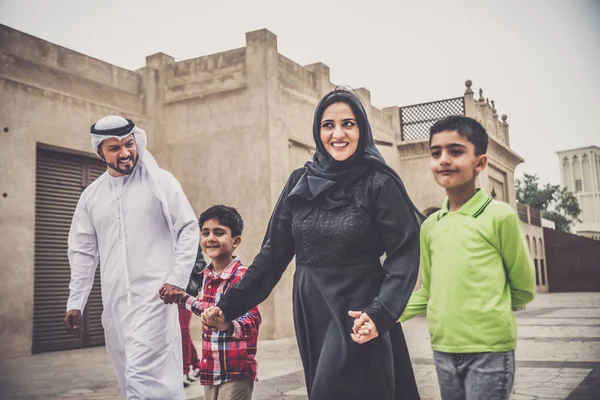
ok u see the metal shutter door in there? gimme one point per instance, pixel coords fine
(59, 181)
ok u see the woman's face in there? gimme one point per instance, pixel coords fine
(339, 131)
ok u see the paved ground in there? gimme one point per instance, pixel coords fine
(558, 357)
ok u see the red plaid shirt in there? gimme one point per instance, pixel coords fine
(227, 357)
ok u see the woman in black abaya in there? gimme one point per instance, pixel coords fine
(338, 215)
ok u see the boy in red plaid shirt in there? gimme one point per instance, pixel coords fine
(228, 364)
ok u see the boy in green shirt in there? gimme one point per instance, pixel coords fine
(475, 270)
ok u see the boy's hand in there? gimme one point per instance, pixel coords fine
(364, 328)
(212, 312)
(214, 319)
(219, 324)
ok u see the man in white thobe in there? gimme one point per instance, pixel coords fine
(137, 222)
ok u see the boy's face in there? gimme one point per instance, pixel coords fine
(216, 240)
(453, 160)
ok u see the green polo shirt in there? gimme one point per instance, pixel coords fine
(475, 268)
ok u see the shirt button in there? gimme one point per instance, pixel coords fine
(209, 286)
(204, 360)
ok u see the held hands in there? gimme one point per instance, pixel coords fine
(171, 294)
(364, 328)
(72, 322)
(214, 319)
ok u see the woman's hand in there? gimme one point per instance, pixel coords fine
(213, 318)
(364, 328)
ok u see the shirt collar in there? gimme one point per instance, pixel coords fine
(226, 273)
(472, 208)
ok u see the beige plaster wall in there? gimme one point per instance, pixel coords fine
(416, 174)
(50, 95)
(32, 115)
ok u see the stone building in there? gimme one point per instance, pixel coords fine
(230, 126)
(580, 173)
(533, 228)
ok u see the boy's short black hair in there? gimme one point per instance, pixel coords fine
(226, 215)
(467, 127)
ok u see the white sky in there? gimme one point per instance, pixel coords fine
(539, 60)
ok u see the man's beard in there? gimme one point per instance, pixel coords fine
(124, 171)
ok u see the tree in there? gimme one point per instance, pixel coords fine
(555, 203)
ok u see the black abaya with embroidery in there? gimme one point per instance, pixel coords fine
(338, 219)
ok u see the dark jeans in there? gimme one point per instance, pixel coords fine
(475, 376)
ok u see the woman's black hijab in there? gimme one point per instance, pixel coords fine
(325, 179)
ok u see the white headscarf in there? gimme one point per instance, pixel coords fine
(145, 160)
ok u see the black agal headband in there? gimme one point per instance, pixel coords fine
(118, 131)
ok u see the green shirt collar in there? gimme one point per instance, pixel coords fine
(473, 207)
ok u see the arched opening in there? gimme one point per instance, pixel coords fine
(535, 261)
(542, 263)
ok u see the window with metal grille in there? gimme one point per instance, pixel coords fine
(60, 179)
(416, 120)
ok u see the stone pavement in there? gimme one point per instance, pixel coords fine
(558, 357)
